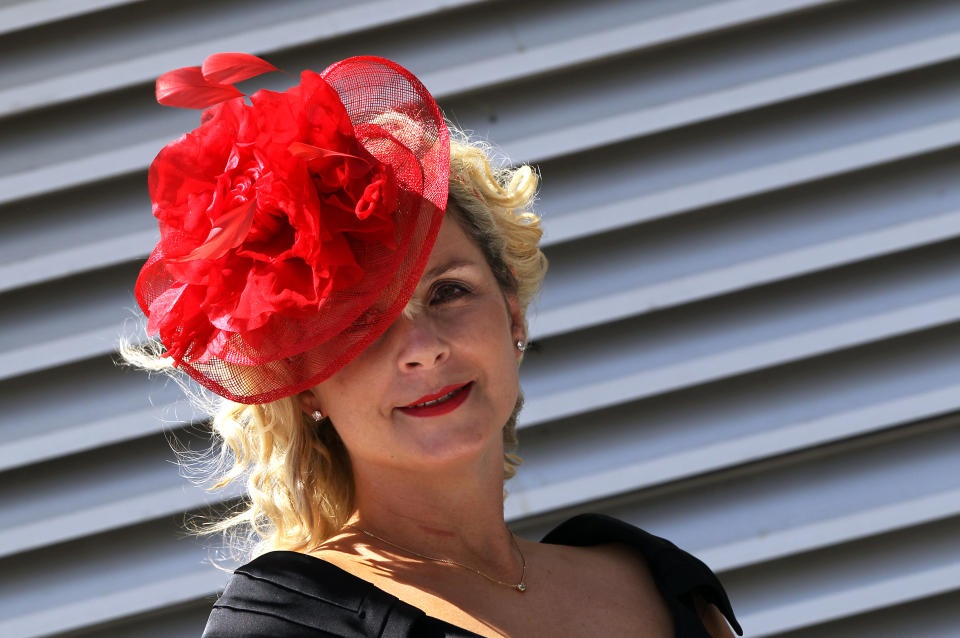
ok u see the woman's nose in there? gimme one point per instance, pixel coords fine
(421, 344)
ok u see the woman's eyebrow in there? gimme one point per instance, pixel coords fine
(450, 265)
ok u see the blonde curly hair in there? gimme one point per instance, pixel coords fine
(297, 474)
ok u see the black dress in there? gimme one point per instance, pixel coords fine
(292, 595)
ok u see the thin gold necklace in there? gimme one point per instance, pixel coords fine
(520, 587)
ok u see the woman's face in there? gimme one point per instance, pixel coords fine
(440, 383)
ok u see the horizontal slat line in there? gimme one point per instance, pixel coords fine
(853, 601)
(714, 457)
(154, 595)
(57, 352)
(77, 259)
(109, 516)
(783, 87)
(843, 529)
(32, 13)
(92, 168)
(767, 354)
(632, 38)
(110, 77)
(87, 436)
(757, 272)
(754, 181)
(125, 161)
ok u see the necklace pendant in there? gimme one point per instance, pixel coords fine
(521, 587)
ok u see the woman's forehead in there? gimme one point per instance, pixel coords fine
(453, 248)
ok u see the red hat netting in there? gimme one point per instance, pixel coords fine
(294, 229)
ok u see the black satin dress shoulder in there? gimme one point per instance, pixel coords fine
(291, 595)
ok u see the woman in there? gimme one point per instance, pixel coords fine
(354, 284)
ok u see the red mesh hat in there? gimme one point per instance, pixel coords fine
(293, 229)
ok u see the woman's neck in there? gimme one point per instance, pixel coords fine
(455, 515)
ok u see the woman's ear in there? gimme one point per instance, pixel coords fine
(309, 403)
(518, 327)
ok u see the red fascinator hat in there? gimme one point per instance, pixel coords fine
(293, 229)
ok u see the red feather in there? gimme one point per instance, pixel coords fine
(231, 229)
(188, 89)
(227, 68)
(307, 153)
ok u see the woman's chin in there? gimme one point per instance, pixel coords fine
(430, 447)
(439, 448)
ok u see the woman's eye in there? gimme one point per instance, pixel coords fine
(448, 291)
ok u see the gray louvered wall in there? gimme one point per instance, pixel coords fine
(747, 342)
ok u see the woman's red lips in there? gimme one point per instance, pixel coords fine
(436, 395)
(457, 395)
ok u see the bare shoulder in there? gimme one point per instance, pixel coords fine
(621, 565)
(620, 577)
(629, 569)
(618, 561)
(616, 583)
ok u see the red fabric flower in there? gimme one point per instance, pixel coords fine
(295, 228)
(261, 211)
